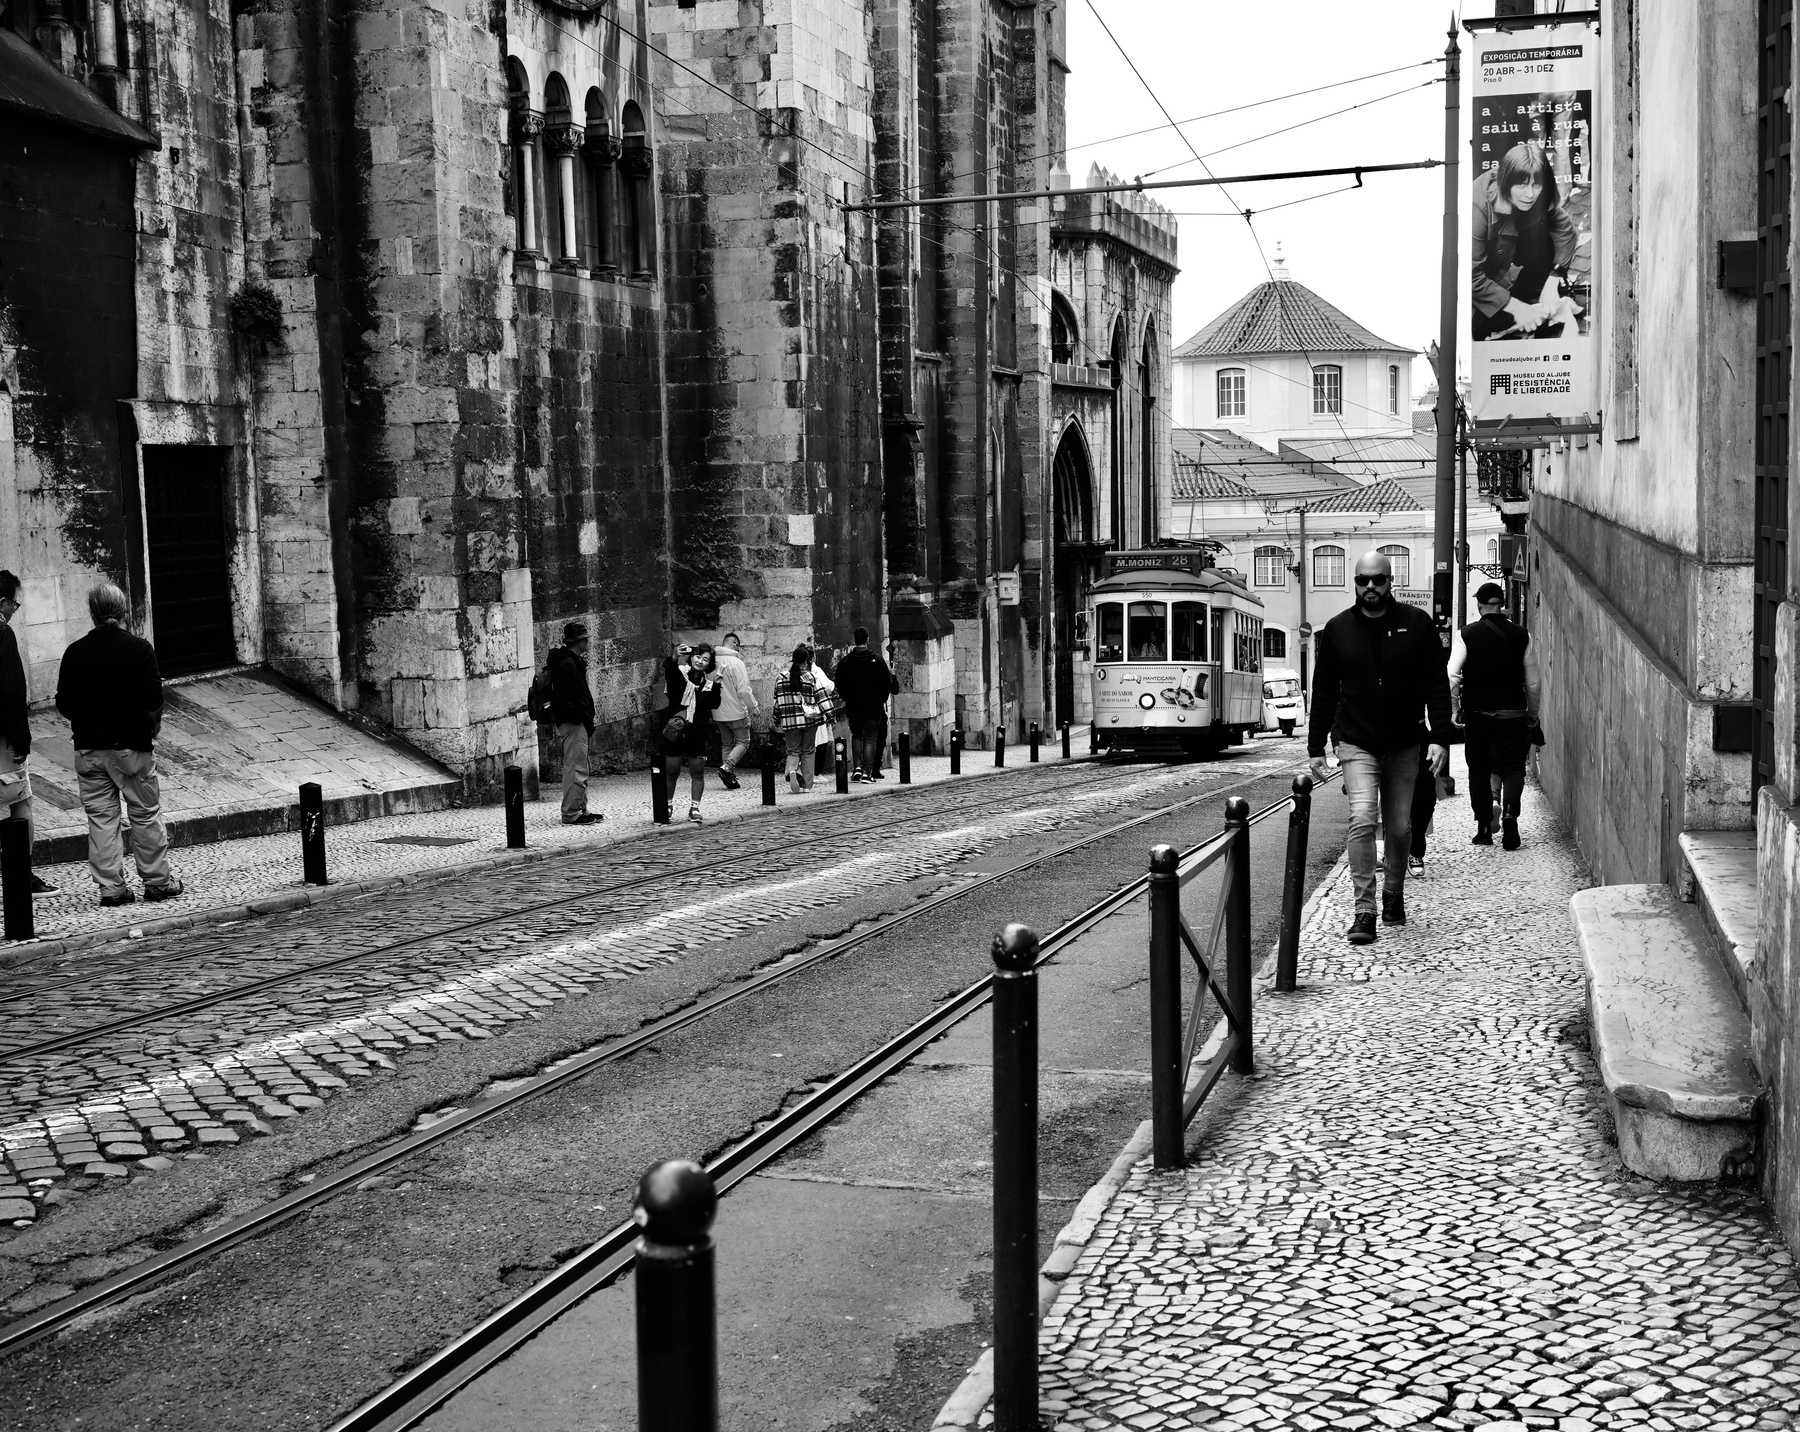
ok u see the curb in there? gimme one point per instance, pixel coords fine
(24, 952)
(966, 1405)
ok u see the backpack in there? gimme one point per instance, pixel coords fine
(537, 699)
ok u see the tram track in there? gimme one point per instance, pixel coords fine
(736, 860)
(130, 1282)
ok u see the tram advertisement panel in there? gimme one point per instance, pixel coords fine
(1531, 224)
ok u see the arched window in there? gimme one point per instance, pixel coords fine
(1271, 567)
(1328, 390)
(639, 217)
(1393, 387)
(525, 127)
(1274, 644)
(1401, 557)
(564, 138)
(1328, 566)
(1231, 392)
(1493, 557)
(1065, 332)
(600, 150)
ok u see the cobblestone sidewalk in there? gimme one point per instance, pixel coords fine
(1414, 1216)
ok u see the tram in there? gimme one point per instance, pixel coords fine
(1177, 646)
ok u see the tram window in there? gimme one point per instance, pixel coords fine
(1190, 632)
(1111, 617)
(1148, 631)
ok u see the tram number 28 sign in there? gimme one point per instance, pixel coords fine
(1531, 224)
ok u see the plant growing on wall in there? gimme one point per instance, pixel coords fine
(256, 314)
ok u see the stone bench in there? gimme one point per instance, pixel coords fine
(1669, 1035)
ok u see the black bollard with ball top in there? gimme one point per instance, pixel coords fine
(515, 808)
(956, 743)
(659, 794)
(1065, 736)
(768, 775)
(903, 752)
(312, 833)
(840, 758)
(1034, 743)
(677, 1308)
(1015, 1179)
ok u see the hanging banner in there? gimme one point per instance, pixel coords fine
(1531, 225)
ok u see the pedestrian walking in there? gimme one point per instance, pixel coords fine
(1494, 681)
(830, 711)
(15, 726)
(798, 717)
(1380, 665)
(1427, 792)
(572, 711)
(865, 682)
(737, 708)
(111, 692)
(691, 697)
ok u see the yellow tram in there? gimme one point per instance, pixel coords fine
(1177, 649)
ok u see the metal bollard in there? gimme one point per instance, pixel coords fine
(1237, 931)
(768, 775)
(840, 759)
(15, 878)
(999, 746)
(956, 751)
(1167, 1141)
(903, 755)
(1015, 1180)
(677, 1308)
(515, 808)
(1034, 743)
(1293, 886)
(1065, 736)
(659, 794)
(312, 834)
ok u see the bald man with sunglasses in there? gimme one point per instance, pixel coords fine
(1379, 667)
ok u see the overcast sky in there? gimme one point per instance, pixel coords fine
(1374, 252)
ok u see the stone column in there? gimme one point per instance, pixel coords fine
(564, 141)
(602, 151)
(636, 162)
(526, 128)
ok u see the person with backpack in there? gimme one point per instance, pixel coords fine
(798, 717)
(691, 694)
(560, 696)
(865, 683)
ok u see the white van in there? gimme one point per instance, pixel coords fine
(1283, 706)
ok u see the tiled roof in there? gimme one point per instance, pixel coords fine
(1384, 496)
(1282, 316)
(1226, 457)
(1193, 480)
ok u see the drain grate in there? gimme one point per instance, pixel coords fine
(426, 840)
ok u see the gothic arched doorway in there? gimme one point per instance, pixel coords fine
(1074, 524)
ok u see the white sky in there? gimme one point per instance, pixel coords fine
(1374, 252)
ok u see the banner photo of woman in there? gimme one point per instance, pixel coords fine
(1531, 225)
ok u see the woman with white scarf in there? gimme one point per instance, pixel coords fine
(691, 696)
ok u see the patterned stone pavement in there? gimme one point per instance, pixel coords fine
(1414, 1215)
(121, 1106)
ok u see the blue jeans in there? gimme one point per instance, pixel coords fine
(1378, 782)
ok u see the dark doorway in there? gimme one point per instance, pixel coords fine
(1074, 499)
(190, 556)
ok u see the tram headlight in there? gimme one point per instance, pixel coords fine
(1147, 701)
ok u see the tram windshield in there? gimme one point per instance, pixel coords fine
(1147, 631)
(1190, 631)
(1110, 618)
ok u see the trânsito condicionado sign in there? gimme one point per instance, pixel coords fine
(1531, 224)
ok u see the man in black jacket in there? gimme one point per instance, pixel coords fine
(111, 691)
(1378, 666)
(15, 723)
(1494, 677)
(865, 682)
(572, 711)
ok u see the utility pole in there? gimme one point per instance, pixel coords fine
(1444, 528)
(1300, 571)
(1462, 518)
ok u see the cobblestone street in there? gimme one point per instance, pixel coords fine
(1414, 1215)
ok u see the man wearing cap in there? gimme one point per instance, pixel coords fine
(572, 709)
(1380, 668)
(1494, 679)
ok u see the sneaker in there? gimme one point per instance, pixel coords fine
(1484, 833)
(1509, 833)
(41, 886)
(124, 897)
(694, 814)
(1393, 909)
(728, 778)
(1415, 866)
(1362, 929)
(163, 892)
(859, 777)
(587, 818)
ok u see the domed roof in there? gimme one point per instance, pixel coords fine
(1282, 316)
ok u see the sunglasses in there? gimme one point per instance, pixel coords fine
(1377, 579)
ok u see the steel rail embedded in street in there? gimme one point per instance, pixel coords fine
(414, 1396)
(45, 1321)
(735, 860)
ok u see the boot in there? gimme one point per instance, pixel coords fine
(1362, 929)
(1393, 908)
(1484, 833)
(1509, 833)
